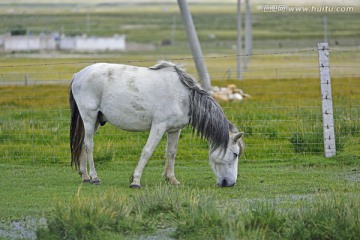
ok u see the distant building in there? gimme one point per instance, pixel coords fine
(54, 42)
(89, 44)
(28, 43)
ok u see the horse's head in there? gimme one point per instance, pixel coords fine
(225, 164)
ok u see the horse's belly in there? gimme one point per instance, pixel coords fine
(130, 118)
(133, 124)
(136, 101)
(132, 115)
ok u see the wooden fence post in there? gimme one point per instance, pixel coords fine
(327, 105)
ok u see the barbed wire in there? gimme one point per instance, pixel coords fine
(170, 59)
(251, 70)
(352, 50)
(174, 59)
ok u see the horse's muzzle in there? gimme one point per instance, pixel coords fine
(226, 183)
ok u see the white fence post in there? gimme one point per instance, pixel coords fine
(327, 106)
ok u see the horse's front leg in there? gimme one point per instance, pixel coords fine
(156, 133)
(169, 173)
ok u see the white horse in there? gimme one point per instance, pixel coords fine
(162, 99)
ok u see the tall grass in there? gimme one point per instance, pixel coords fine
(198, 215)
(35, 120)
(84, 218)
(204, 219)
(331, 218)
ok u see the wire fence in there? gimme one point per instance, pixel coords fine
(282, 119)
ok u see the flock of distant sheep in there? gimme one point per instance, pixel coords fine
(229, 93)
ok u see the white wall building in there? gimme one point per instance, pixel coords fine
(89, 44)
(28, 43)
(53, 42)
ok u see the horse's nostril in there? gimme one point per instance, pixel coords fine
(226, 183)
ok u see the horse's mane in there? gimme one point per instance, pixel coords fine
(205, 114)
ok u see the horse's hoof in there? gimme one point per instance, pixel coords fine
(95, 182)
(135, 186)
(172, 180)
(87, 181)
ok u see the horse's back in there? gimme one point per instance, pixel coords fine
(132, 98)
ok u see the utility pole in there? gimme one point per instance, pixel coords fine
(88, 23)
(173, 31)
(193, 40)
(248, 34)
(325, 29)
(239, 40)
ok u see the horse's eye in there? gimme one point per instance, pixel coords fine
(235, 155)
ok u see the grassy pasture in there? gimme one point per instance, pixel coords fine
(276, 174)
(286, 189)
(283, 167)
(283, 117)
(151, 24)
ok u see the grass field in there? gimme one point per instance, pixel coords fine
(276, 174)
(286, 189)
(153, 23)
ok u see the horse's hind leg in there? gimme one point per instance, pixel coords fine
(90, 125)
(172, 141)
(83, 166)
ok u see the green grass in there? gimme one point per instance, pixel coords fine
(283, 123)
(186, 214)
(151, 24)
(37, 181)
(286, 189)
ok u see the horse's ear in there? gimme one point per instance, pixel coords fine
(238, 136)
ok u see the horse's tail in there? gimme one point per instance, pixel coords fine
(76, 131)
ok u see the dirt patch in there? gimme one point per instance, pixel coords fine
(353, 176)
(21, 229)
